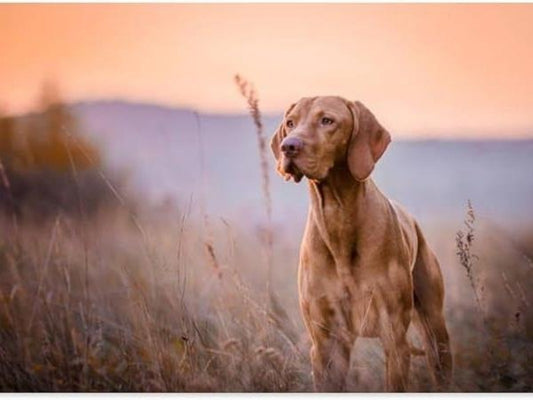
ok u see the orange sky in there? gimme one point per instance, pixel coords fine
(432, 69)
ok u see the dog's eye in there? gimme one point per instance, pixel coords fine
(326, 121)
(290, 124)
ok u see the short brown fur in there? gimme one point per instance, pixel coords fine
(365, 268)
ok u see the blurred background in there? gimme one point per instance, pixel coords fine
(137, 251)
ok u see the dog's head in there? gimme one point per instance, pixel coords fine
(321, 132)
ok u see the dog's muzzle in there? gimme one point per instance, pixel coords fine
(291, 146)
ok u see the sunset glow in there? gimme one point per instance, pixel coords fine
(425, 69)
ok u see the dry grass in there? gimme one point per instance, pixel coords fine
(131, 321)
(99, 306)
(148, 312)
(504, 336)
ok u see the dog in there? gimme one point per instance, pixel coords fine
(365, 268)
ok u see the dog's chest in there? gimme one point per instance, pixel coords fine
(335, 222)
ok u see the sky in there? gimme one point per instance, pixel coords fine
(430, 70)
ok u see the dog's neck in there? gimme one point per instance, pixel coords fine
(339, 190)
(340, 208)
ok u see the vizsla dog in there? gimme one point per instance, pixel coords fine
(365, 268)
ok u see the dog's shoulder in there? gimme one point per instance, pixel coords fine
(407, 226)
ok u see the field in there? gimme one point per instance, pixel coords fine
(167, 300)
(104, 289)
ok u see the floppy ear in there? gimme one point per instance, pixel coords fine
(368, 142)
(278, 137)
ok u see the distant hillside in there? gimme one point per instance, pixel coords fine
(434, 179)
(161, 146)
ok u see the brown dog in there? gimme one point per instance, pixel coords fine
(365, 266)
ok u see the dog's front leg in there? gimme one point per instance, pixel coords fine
(331, 341)
(394, 328)
(324, 310)
(330, 358)
(398, 355)
(330, 367)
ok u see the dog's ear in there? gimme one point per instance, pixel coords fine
(368, 142)
(278, 137)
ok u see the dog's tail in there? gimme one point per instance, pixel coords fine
(429, 300)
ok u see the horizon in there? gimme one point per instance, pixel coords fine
(402, 136)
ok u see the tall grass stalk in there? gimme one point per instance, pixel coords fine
(247, 90)
(464, 241)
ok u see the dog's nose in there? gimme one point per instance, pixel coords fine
(291, 146)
